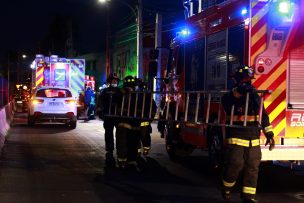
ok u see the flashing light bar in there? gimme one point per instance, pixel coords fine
(33, 65)
(244, 11)
(284, 7)
(247, 21)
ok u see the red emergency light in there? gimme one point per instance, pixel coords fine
(261, 69)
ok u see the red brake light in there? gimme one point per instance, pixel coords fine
(37, 101)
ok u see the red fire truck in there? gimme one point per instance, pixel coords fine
(265, 34)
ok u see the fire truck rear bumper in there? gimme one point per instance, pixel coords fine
(283, 153)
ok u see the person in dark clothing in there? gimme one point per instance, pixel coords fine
(89, 99)
(127, 136)
(148, 104)
(243, 142)
(107, 104)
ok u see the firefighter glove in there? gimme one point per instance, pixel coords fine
(270, 140)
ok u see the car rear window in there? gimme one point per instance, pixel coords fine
(54, 93)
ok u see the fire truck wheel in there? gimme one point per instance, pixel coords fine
(215, 146)
(175, 147)
(30, 120)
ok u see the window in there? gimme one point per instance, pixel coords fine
(54, 93)
(60, 74)
(194, 65)
(216, 66)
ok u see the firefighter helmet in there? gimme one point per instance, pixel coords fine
(141, 84)
(112, 76)
(244, 74)
(129, 81)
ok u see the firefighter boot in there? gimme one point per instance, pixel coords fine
(122, 162)
(110, 160)
(138, 152)
(146, 151)
(226, 195)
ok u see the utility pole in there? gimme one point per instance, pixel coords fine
(108, 51)
(158, 45)
(139, 40)
(8, 77)
(158, 41)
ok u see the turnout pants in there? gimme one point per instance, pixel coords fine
(145, 138)
(242, 158)
(109, 125)
(126, 142)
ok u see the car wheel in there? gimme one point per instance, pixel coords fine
(30, 120)
(73, 123)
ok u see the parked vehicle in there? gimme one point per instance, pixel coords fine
(53, 104)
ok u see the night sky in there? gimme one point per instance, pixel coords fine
(25, 23)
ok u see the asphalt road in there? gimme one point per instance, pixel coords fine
(51, 163)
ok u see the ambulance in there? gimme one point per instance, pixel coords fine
(56, 86)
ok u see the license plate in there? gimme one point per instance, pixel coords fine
(55, 104)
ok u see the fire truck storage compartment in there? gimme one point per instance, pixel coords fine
(296, 75)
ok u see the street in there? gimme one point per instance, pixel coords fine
(51, 163)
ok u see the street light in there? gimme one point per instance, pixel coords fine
(138, 16)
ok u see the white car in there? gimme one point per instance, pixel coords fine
(53, 104)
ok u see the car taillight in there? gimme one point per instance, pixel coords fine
(37, 101)
(70, 101)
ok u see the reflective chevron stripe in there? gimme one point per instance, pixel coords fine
(244, 143)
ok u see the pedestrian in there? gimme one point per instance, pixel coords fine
(88, 96)
(107, 103)
(243, 143)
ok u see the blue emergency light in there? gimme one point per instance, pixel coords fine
(244, 11)
(185, 32)
(282, 12)
(284, 7)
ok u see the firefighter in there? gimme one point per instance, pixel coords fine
(127, 136)
(145, 128)
(107, 102)
(243, 143)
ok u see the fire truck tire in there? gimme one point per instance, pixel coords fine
(30, 120)
(215, 146)
(175, 147)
